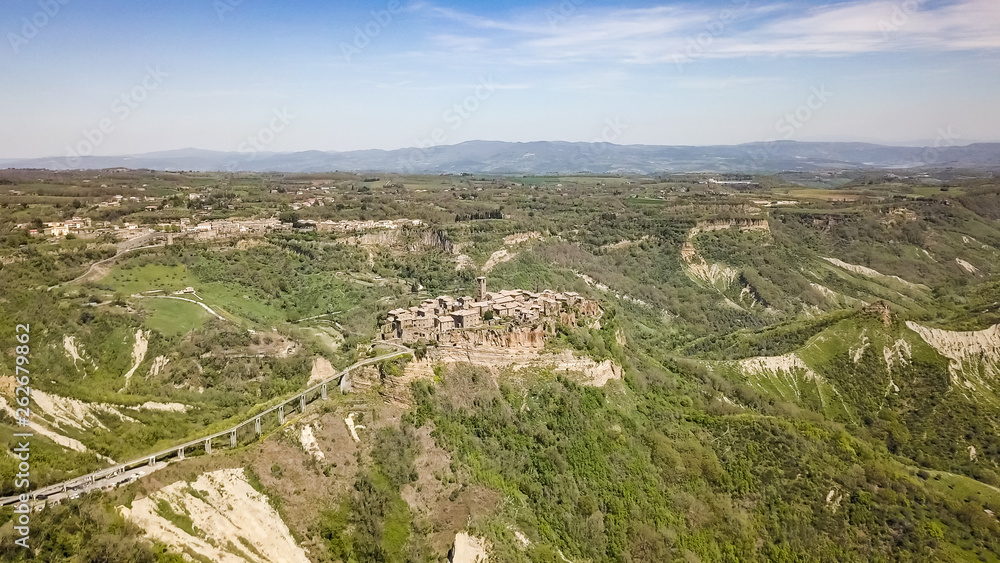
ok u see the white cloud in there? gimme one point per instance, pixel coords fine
(660, 34)
(454, 42)
(864, 27)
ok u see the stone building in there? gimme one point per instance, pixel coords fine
(433, 319)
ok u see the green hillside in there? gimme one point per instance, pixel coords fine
(807, 374)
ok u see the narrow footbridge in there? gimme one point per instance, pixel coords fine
(250, 428)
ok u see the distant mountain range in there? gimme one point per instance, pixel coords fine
(551, 157)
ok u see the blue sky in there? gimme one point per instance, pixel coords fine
(103, 77)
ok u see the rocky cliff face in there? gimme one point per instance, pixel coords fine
(404, 239)
(437, 239)
(493, 349)
(974, 356)
(719, 275)
(379, 238)
(394, 390)
(496, 358)
(741, 224)
(225, 513)
(515, 337)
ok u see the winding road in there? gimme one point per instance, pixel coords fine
(124, 247)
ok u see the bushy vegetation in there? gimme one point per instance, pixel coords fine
(688, 458)
(655, 478)
(83, 532)
(375, 524)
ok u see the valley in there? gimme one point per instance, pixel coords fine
(523, 368)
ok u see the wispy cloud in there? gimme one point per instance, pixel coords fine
(451, 86)
(466, 43)
(879, 26)
(480, 22)
(656, 35)
(227, 94)
(391, 86)
(717, 84)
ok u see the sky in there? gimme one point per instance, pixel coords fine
(113, 78)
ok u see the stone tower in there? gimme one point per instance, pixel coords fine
(482, 287)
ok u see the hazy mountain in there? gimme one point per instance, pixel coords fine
(542, 157)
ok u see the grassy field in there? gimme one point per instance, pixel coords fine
(928, 191)
(962, 487)
(239, 301)
(149, 277)
(825, 195)
(173, 317)
(224, 298)
(327, 336)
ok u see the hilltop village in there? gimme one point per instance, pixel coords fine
(434, 319)
(84, 227)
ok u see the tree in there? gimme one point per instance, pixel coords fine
(289, 217)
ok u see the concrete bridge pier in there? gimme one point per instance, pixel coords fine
(302, 403)
(323, 391)
(152, 460)
(180, 453)
(232, 439)
(281, 414)
(208, 445)
(256, 425)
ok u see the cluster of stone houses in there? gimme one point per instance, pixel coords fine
(60, 228)
(85, 227)
(234, 227)
(435, 317)
(734, 183)
(117, 200)
(221, 228)
(63, 228)
(356, 226)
